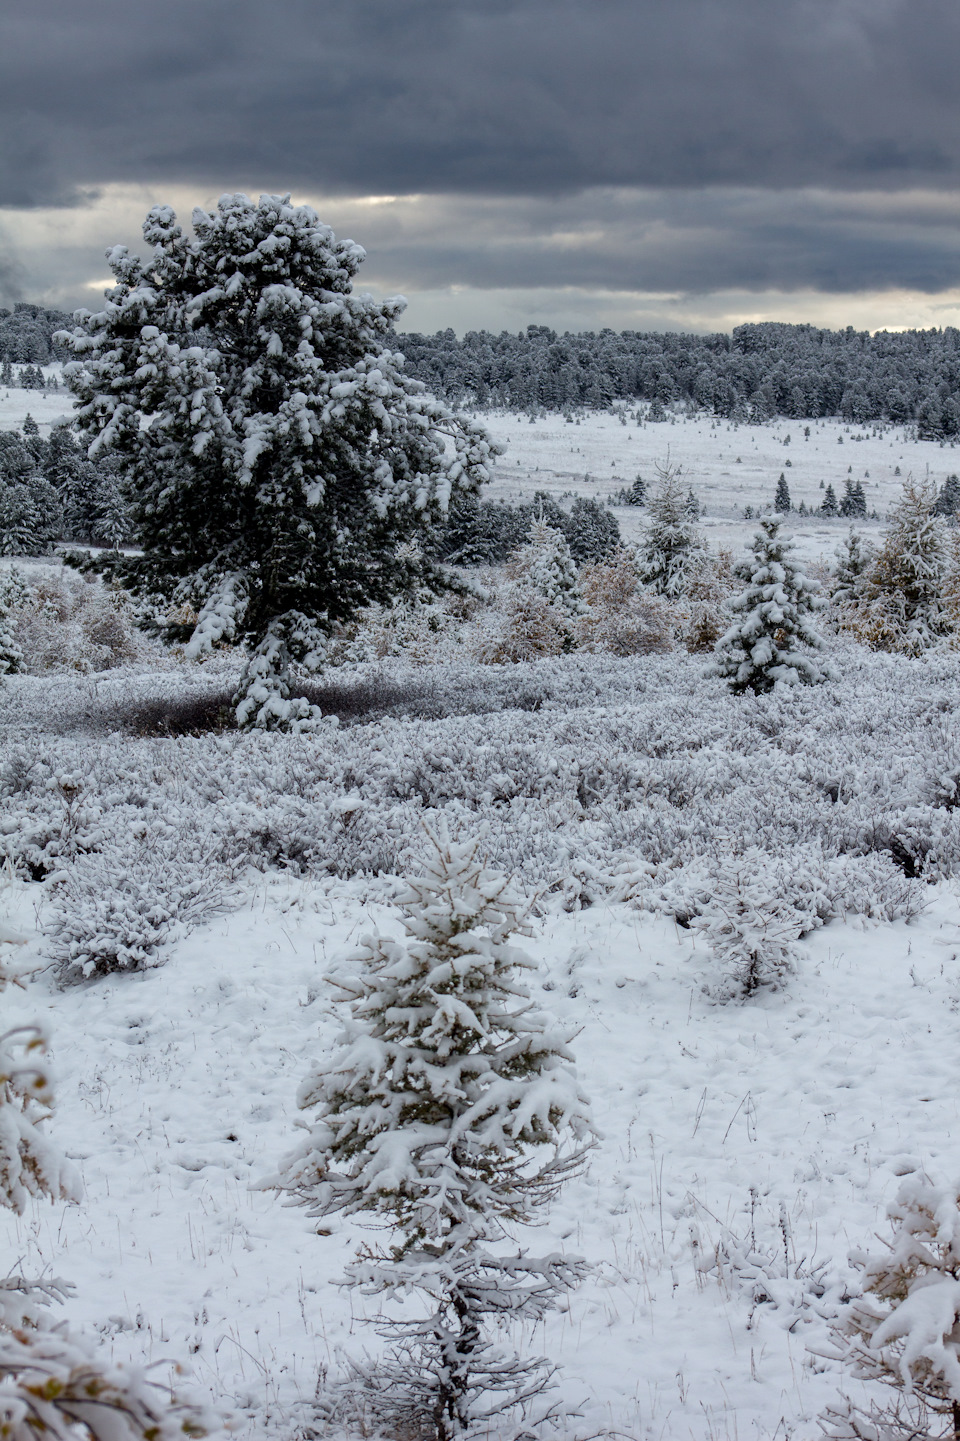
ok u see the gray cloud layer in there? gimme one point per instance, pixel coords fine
(480, 95)
(619, 145)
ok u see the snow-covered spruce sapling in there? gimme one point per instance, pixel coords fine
(672, 544)
(902, 592)
(450, 1114)
(274, 452)
(904, 1330)
(764, 646)
(54, 1384)
(546, 567)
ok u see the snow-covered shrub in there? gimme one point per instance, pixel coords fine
(432, 1119)
(54, 1384)
(904, 1330)
(523, 626)
(61, 621)
(763, 648)
(759, 1263)
(116, 910)
(620, 617)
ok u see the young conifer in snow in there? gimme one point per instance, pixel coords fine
(762, 648)
(275, 454)
(672, 545)
(781, 500)
(903, 589)
(904, 1330)
(11, 654)
(854, 558)
(546, 567)
(450, 1113)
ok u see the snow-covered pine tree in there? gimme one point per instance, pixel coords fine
(763, 646)
(853, 504)
(781, 501)
(545, 566)
(903, 591)
(904, 1330)
(635, 494)
(829, 506)
(854, 558)
(11, 654)
(275, 453)
(432, 1118)
(592, 532)
(948, 498)
(54, 1384)
(672, 542)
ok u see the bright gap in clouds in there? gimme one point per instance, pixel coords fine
(627, 258)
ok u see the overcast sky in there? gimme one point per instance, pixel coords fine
(677, 164)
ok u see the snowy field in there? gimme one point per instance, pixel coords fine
(747, 1146)
(48, 407)
(728, 466)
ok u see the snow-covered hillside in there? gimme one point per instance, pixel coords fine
(747, 1145)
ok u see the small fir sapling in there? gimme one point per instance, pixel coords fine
(903, 590)
(781, 501)
(672, 543)
(854, 558)
(543, 571)
(450, 1114)
(751, 927)
(11, 654)
(904, 1330)
(763, 646)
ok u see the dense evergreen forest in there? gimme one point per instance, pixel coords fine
(757, 372)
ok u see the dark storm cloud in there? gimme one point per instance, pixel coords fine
(662, 241)
(478, 96)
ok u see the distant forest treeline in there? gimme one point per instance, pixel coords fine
(757, 372)
(752, 375)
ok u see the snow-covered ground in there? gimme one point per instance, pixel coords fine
(777, 1125)
(176, 1090)
(787, 1116)
(728, 466)
(48, 407)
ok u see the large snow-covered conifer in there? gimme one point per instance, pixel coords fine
(765, 645)
(274, 451)
(450, 1113)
